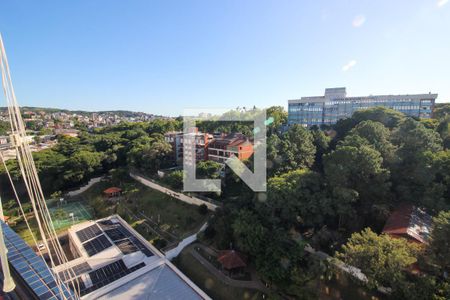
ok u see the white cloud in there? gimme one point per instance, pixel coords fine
(441, 3)
(359, 20)
(349, 65)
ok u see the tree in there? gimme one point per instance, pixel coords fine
(376, 135)
(411, 172)
(249, 233)
(274, 158)
(322, 143)
(279, 258)
(440, 241)
(298, 198)
(357, 176)
(386, 116)
(444, 131)
(442, 110)
(149, 154)
(381, 258)
(296, 149)
(82, 164)
(432, 177)
(174, 179)
(413, 138)
(276, 116)
(5, 127)
(208, 169)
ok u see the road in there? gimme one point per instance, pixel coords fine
(176, 195)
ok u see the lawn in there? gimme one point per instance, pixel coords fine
(165, 212)
(209, 283)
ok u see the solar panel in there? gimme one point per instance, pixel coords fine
(97, 245)
(89, 233)
(78, 270)
(32, 268)
(117, 231)
(115, 234)
(108, 274)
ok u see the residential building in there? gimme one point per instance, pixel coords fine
(112, 261)
(201, 140)
(335, 105)
(234, 144)
(218, 147)
(409, 222)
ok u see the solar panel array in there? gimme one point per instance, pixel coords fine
(115, 234)
(107, 274)
(123, 238)
(97, 245)
(89, 233)
(78, 270)
(32, 268)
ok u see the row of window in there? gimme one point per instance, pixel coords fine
(294, 109)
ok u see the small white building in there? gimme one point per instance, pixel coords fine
(112, 261)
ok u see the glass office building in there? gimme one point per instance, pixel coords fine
(335, 105)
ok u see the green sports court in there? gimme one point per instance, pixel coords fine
(61, 214)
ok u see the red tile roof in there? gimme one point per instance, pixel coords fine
(230, 259)
(409, 222)
(112, 190)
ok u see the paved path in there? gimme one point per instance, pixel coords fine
(176, 195)
(253, 284)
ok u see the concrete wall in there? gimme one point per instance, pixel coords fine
(84, 187)
(176, 195)
(172, 253)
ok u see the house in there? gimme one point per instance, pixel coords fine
(234, 144)
(409, 222)
(113, 192)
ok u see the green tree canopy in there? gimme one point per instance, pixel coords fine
(440, 240)
(381, 258)
(358, 172)
(298, 198)
(296, 149)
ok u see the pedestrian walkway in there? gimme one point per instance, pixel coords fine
(176, 195)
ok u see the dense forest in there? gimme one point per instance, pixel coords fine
(331, 187)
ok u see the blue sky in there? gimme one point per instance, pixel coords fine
(164, 56)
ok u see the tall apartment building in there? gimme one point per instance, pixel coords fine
(201, 140)
(209, 147)
(335, 105)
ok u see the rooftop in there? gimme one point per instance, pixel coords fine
(112, 190)
(231, 259)
(115, 262)
(409, 221)
(336, 94)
